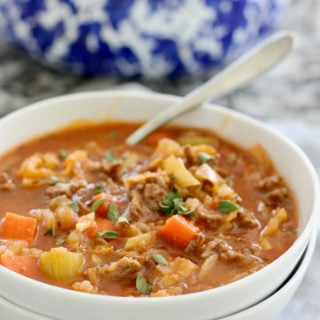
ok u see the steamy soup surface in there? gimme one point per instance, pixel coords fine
(183, 211)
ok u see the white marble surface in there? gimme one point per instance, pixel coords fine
(288, 98)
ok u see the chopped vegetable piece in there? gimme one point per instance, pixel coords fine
(100, 226)
(101, 203)
(261, 155)
(18, 227)
(175, 167)
(142, 285)
(179, 231)
(109, 156)
(73, 163)
(74, 206)
(153, 138)
(108, 234)
(159, 259)
(204, 157)
(100, 187)
(60, 264)
(97, 203)
(54, 180)
(113, 213)
(194, 139)
(177, 271)
(226, 206)
(51, 231)
(60, 240)
(205, 172)
(25, 265)
(173, 204)
(63, 154)
(123, 219)
(140, 243)
(275, 222)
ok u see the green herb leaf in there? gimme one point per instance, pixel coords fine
(51, 231)
(54, 180)
(204, 157)
(226, 206)
(108, 234)
(174, 204)
(159, 259)
(109, 155)
(96, 204)
(114, 134)
(63, 154)
(74, 206)
(60, 241)
(168, 204)
(142, 285)
(99, 187)
(113, 213)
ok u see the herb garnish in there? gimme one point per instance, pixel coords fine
(109, 156)
(204, 157)
(99, 187)
(108, 234)
(54, 180)
(114, 134)
(159, 259)
(63, 154)
(142, 285)
(174, 204)
(113, 213)
(226, 206)
(51, 231)
(60, 240)
(96, 204)
(74, 206)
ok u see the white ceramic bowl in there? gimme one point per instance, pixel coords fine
(64, 304)
(266, 309)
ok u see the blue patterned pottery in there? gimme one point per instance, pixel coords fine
(131, 38)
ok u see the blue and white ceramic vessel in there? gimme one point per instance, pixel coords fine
(130, 38)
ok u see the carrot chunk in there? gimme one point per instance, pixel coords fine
(101, 225)
(179, 231)
(103, 200)
(25, 265)
(153, 138)
(18, 227)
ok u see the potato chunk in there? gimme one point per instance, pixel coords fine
(140, 242)
(182, 176)
(60, 264)
(176, 271)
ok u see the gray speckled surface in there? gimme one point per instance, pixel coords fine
(288, 98)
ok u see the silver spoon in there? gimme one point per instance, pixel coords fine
(246, 68)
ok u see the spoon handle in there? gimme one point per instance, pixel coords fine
(246, 68)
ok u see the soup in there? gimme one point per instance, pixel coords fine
(184, 211)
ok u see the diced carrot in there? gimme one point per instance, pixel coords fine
(102, 209)
(101, 225)
(179, 231)
(25, 265)
(153, 138)
(18, 227)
